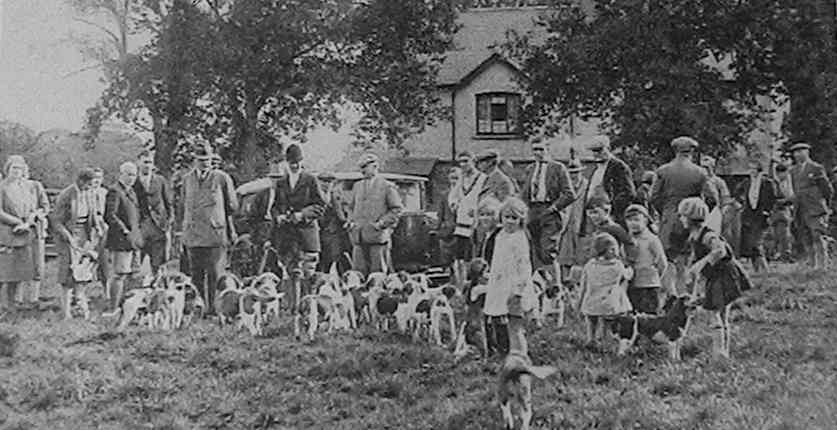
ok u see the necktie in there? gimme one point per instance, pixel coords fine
(536, 178)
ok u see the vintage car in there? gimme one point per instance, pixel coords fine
(412, 242)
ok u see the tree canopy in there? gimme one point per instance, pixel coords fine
(655, 70)
(242, 73)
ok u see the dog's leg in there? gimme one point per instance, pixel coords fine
(297, 332)
(561, 311)
(526, 401)
(313, 323)
(451, 320)
(508, 418)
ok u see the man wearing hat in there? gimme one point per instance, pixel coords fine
(299, 203)
(547, 192)
(782, 213)
(715, 182)
(812, 197)
(155, 209)
(374, 207)
(209, 200)
(497, 183)
(611, 176)
(677, 180)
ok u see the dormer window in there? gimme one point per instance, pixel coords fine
(498, 114)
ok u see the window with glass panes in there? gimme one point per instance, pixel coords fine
(498, 114)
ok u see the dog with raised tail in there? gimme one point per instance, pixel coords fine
(515, 389)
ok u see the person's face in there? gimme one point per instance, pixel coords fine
(575, 176)
(294, 167)
(539, 153)
(96, 182)
(684, 220)
(370, 169)
(85, 185)
(597, 215)
(755, 169)
(485, 166)
(466, 164)
(16, 171)
(204, 163)
(800, 155)
(784, 175)
(453, 178)
(128, 176)
(599, 154)
(487, 219)
(635, 223)
(510, 220)
(146, 164)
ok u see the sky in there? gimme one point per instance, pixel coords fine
(40, 83)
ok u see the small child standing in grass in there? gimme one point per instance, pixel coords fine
(714, 267)
(649, 262)
(603, 286)
(509, 252)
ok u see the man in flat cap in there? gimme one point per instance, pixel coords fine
(547, 192)
(375, 206)
(298, 205)
(497, 183)
(209, 200)
(812, 197)
(611, 176)
(677, 180)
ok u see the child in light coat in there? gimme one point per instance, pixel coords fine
(604, 286)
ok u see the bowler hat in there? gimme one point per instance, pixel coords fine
(799, 146)
(293, 154)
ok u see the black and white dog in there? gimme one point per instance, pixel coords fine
(672, 325)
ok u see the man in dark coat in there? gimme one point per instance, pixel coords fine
(333, 237)
(812, 197)
(547, 192)
(611, 176)
(124, 237)
(757, 195)
(497, 183)
(299, 203)
(155, 208)
(447, 221)
(209, 199)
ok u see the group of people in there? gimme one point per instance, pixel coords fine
(107, 233)
(625, 245)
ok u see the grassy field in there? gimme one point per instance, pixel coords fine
(78, 375)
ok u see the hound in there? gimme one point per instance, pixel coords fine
(515, 389)
(673, 326)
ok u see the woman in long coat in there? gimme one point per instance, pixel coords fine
(18, 205)
(571, 245)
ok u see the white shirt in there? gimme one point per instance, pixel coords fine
(293, 178)
(597, 178)
(539, 181)
(755, 187)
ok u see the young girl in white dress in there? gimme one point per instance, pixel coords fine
(604, 286)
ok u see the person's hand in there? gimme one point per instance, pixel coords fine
(515, 304)
(297, 216)
(378, 225)
(20, 228)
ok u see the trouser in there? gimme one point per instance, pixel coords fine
(154, 245)
(783, 241)
(207, 264)
(333, 246)
(544, 227)
(370, 258)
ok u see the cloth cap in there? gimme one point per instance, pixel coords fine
(598, 200)
(327, 176)
(366, 159)
(684, 143)
(799, 146)
(599, 143)
(693, 208)
(293, 154)
(648, 177)
(491, 154)
(539, 144)
(603, 242)
(636, 209)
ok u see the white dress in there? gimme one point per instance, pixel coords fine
(510, 273)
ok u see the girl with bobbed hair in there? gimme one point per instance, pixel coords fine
(713, 269)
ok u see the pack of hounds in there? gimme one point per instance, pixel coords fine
(413, 303)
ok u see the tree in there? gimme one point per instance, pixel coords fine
(246, 72)
(656, 70)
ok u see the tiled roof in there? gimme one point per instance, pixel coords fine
(482, 33)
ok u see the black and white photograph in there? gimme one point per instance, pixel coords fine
(418, 214)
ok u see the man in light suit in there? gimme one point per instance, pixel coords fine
(374, 206)
(209, 200)
(155, 207)
(812, 197)
(611, 176)
(547, 192)
(497, 183)
(299, 203)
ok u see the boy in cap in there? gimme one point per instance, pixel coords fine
(649, 262)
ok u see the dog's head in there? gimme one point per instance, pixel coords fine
(394, 282)
(352, 279)
(229, 281)
(267, 284)
(679, 308)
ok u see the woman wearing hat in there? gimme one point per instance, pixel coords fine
(572, 239)
(19, 218)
